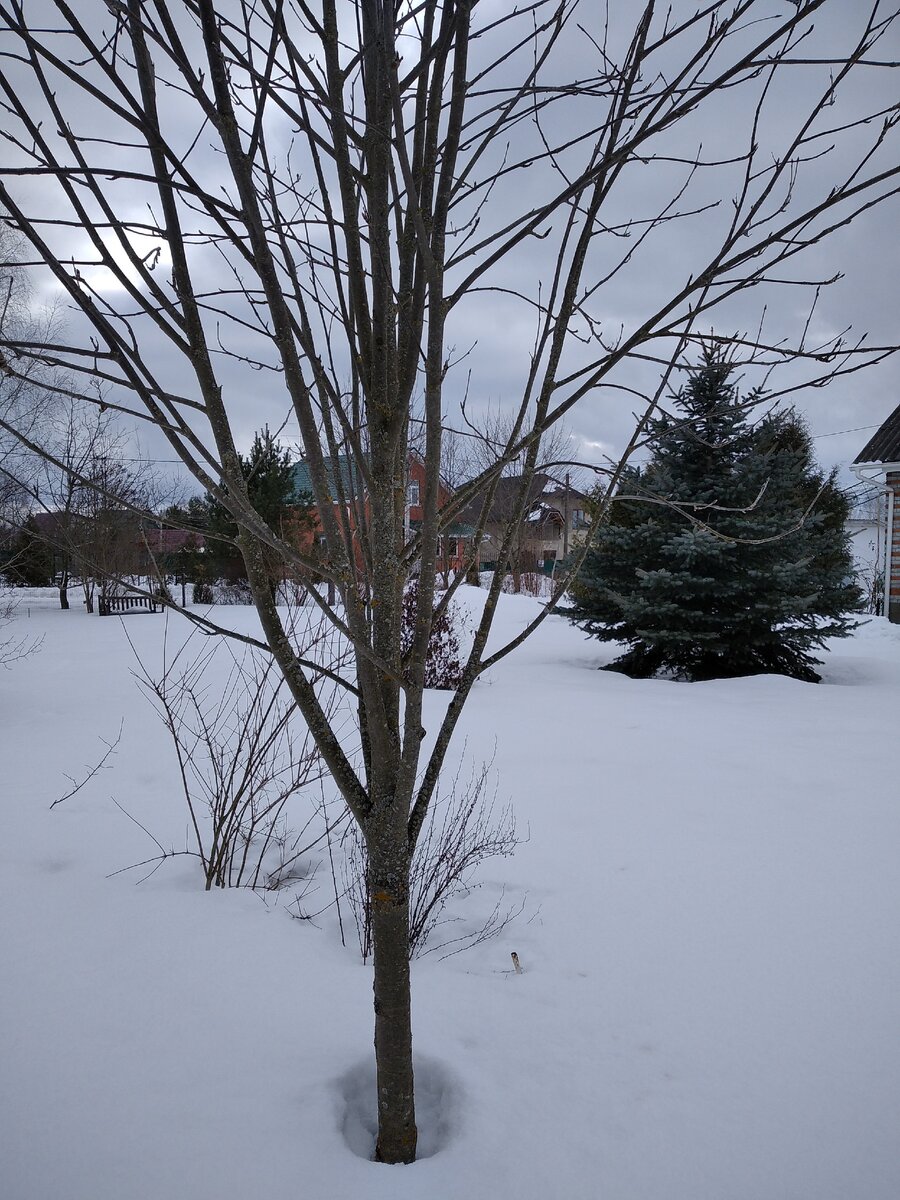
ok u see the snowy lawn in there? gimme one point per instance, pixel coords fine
(710, 1001)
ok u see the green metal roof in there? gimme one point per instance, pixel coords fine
(347, 473)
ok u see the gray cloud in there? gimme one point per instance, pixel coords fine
(495, 330)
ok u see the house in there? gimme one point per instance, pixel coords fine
(160, 542)
(346, 486)
(864, 528)
(880, 459)
(111, 544)
(555, 521)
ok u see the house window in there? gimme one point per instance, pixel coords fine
(452, 547)
(577, 517)
(412, 493)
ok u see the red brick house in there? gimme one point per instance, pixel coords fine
(452, 549)
(880, 459)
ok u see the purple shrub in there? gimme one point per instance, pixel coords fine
(444, 660)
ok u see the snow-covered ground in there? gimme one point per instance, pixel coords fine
(710, 1001)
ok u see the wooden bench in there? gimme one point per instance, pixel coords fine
(109, 606)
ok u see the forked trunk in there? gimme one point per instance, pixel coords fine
(389, 898)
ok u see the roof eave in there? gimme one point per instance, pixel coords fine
(858, 468)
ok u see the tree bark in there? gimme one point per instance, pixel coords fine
(389, 899)
(64, 584)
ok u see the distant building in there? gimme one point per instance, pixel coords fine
(555, 521)
(880, 459)
(347, 489)
(155, 546)
(865, 528)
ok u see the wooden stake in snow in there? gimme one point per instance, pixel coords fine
(516, 962)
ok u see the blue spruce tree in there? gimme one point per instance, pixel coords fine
(726, 554)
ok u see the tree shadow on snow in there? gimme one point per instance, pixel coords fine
(438, 1107)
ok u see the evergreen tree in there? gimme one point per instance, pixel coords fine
(194, 515)
(269, 476)
(726, 554)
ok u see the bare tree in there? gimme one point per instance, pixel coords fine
(89, 495)
(326, 198)
(23, 403)
(112, 550)
(495, 435)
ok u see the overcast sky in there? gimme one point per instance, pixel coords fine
(493, 332)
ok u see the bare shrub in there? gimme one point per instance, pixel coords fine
(292, 592)
(232, 592)
(526, 583)
(92, 770)
(463, 829)
(13, 649)
(534, 583)
(243, 751)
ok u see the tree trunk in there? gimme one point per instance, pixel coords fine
(389, 899)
